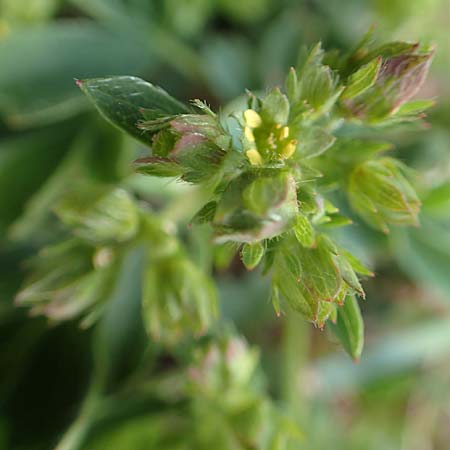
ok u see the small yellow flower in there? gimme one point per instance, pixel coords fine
(252, 118)
(254, 157)
(284, 133)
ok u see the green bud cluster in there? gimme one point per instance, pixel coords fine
(269, 171)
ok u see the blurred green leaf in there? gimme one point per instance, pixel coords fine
(424, 254)
(97, 155)
(37, 80)
(26, 160)
(120, 333)
(228, 63)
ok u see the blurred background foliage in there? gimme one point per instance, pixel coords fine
(51, 141)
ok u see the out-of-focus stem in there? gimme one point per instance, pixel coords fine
(295, 354)
(76, 434)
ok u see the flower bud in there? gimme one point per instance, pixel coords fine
(191, 146)
(178, 298)
(381, 194)
(398, 79)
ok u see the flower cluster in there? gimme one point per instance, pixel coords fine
(270, 171)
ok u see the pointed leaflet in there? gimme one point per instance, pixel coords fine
(349, 327)
(121, 99)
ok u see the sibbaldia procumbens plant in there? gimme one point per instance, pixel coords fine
(268, 173)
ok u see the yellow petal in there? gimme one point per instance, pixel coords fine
(288, 150)
(254, 157)
(249, 134)
(284, 133)
(252, 118)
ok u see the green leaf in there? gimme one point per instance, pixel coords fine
(251, 255)
(362, 79)
(349, 327)
(120, 100)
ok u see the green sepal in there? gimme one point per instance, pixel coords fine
(335, 221)
(275, 107)
(313, 141)
(363, 79)
(304, 231)
(251, 254)
(256, 206)
(380, 193)
(158, 167)
(275, 299)
(356, 264)
(292, 86)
